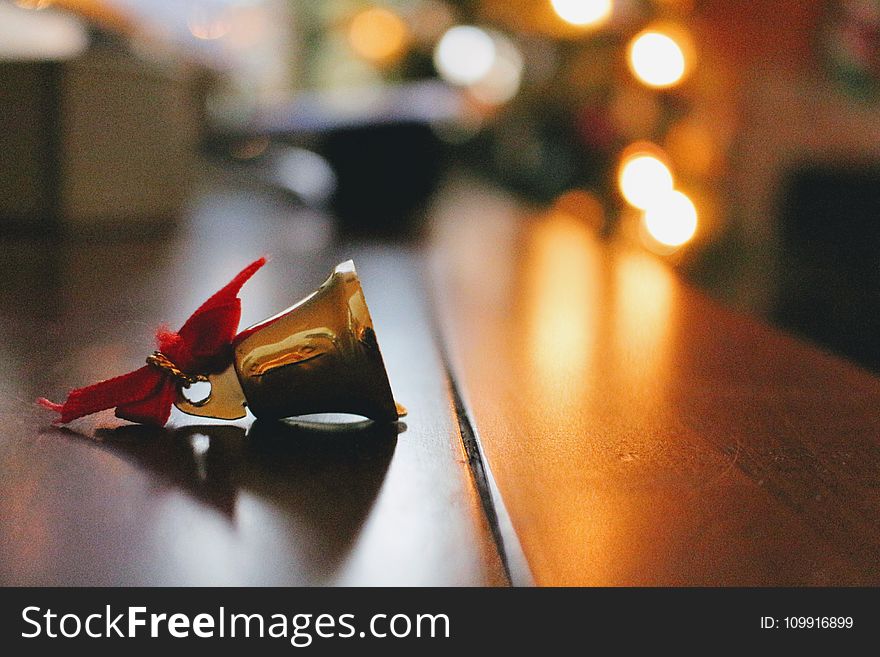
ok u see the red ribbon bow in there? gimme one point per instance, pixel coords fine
(146, 395)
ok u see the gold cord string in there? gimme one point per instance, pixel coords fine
(159, 360)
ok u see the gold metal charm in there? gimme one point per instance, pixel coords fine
(318, 356)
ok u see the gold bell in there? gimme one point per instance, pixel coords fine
(318, 356)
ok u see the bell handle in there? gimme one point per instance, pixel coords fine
(226, 401)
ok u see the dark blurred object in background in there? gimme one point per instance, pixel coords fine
(380, 144)
(830, 278)
(386, 175)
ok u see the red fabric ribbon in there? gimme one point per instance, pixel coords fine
(146, 395)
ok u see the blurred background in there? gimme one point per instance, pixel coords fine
(737, 142)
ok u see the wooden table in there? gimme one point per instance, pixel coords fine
(606, 423)
(638, 432)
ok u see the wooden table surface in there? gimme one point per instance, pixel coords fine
(634, 431)
(638, 432)
(107, 503)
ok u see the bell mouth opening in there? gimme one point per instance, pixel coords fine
(330, 420)
(335, 423)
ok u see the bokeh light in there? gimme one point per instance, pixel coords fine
(502, 81)
(583, 12)
(657, 59)
(208, 23)
(464, 55)
(671, 220)
(378, 35)
(643, 178)
(487, 62)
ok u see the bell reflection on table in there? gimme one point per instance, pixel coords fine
(325, 475)
(213, 462)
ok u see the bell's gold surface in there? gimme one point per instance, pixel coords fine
(318, 356)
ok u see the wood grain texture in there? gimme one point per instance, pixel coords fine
(641, 434)
(107, 503)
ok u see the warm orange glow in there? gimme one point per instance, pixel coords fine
(659, 57)
(560, 297)
(643, 176)
(671, 220)
(378, 35)
(583, 13)
(642, 301)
